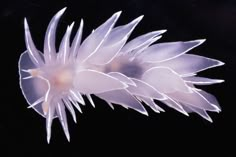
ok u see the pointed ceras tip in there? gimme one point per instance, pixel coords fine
(221, 81)
(199, 41)
(67, 136)
(186, 114)
(160, 31)
(118, 13)
(202, 40)
(162, 110)
(59, 13)
(138, 19)
(221, 63)
(217, 109)
(163, 30)
(48, 139)
(62, 10)
(26, 24)
(210, 120)
(72, 24)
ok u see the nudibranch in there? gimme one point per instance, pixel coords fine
(127, 73)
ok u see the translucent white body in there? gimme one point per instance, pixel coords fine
(120, 72)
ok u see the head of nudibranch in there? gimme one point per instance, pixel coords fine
(120, 72)
(51, 81)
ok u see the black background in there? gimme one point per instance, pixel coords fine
(120, 132)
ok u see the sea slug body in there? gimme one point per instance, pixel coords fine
(118, 71)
